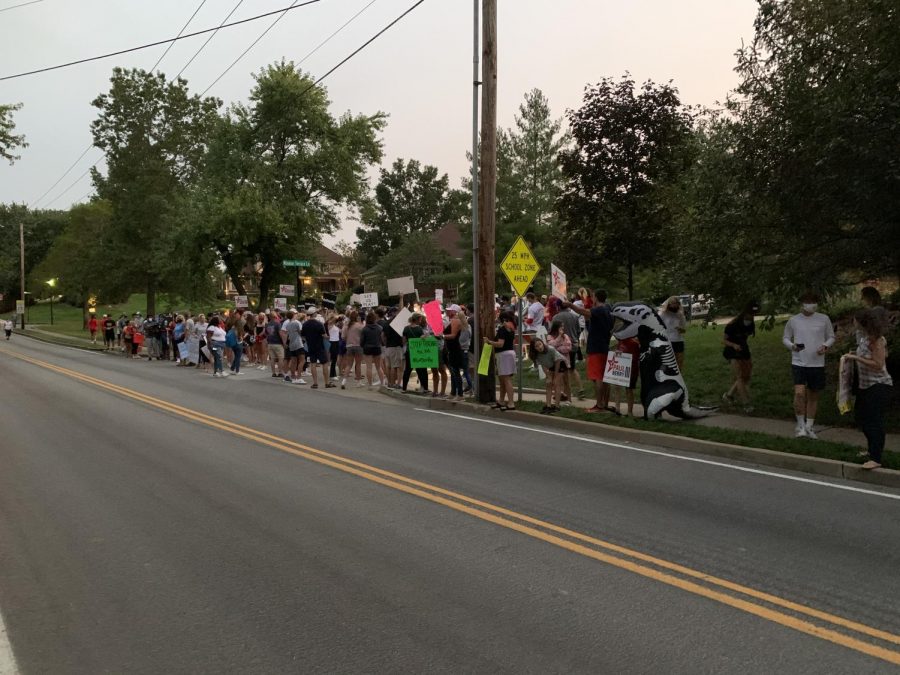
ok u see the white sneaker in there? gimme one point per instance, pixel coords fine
(360, 383)
(811, 434)
(299, 380)
(343, 383)
(800, 431)
(376, 383)
(238, 373)
(223, 374)
(215, 374)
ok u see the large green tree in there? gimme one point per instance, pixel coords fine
(278, 174)
(630, 145)
(154, 134)
(409, 199)
(41, 229)
(818, 110)
(9, 141)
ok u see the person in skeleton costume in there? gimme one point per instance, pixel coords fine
(662, 386)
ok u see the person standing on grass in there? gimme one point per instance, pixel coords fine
(534, 315)
(676, 326)
(631, 346)
(599, 329)
(561, 342)
(808, 335)
(737, 353)
(504, 350)
(875, 384)
(554, 364)
(571, 324)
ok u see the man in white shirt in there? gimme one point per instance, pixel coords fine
(808, 335)
(8, 328)
(534, 317)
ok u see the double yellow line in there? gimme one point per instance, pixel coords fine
(744, 598)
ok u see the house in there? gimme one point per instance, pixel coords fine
(329, 272)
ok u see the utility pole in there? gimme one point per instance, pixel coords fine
(487, 196)
(476, 270)
(22, 268)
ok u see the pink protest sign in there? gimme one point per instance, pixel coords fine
(433, 316)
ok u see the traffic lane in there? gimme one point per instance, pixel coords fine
(153, 546)
(795, 540)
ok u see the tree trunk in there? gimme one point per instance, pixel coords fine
(630, 280)
(265, 281)
(151, 297)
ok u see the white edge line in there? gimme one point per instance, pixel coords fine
(7, 660)
(670, 455)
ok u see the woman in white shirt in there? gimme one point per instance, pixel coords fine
(676, 326)
(215, 338)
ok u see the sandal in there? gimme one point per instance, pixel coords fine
(596, 409)
(315, 386)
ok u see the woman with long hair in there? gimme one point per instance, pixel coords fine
(561, 342)
(453, 350)
(504, 349)
(371, 343)
(352, 335)
(554, 365)
(737, 353)
(585, 296)
(262, 350)
(672, 316)
(875, 383)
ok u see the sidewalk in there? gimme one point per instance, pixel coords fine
(774, 427)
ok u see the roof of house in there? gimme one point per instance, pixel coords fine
(448, 239)
(323, 254)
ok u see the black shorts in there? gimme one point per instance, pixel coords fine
(678, 347)
(559, 367)
(295, 353)
(317, 356)
(812, 378)
(372, 351)
(573, 357)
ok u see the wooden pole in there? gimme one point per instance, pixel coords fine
(22, 269)
(487, 195)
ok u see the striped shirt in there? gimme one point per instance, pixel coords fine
(868, 375)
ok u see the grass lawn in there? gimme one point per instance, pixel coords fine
(752, 439)
(708, 376)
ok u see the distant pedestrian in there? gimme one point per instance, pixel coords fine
(737, 353)
(8, 328)
(808, 335)
(92, 327)
(875, 384)
(676, 326)
(108, 325)
(599, 332)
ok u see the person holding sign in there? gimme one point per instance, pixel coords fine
(414, 331)
(599, 328)
(504, 346)
(554, 364)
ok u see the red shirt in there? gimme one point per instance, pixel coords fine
(92, 324)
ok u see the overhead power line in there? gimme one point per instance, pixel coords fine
(158, 42)
(183, 28)
(203, 46)
(329, 38)
(24, 4)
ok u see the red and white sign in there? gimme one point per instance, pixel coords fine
(241, 302)
(558, 282)
(618, 369)
(286, 289)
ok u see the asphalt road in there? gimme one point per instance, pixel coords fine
(156, 520)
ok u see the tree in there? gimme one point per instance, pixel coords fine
(629, 148)
(409, 199)
(818, 114)
(41, 229)
(8, 140)
(277, 174)
(155, 134)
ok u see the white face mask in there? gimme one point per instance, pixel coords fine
(810, 308)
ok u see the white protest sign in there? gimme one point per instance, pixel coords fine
(558, 282)
(286, 289)
(401, 321)
(368, 299)
(618, 369)
(439, 295)
(401, 286)
(241, 302)
(281, 304)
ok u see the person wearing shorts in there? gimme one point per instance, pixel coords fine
(504, 348)
(274, 344)
(599, 329)
(371, 341)
(808, 335)
(737, 352)
(314, 334)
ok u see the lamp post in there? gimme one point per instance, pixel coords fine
(51, 283)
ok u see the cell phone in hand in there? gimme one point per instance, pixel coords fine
(800, 346)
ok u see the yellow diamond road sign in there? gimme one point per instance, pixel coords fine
(520, 266)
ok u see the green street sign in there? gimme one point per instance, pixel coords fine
(295, 263)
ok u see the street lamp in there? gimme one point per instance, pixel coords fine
(51, 283)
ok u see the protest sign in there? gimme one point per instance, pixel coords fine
(401, 320)
(423, 352)
(183, 351)
(484, 365)
(439, 295)
(558, 282)
(281, 304)
(401, 286)
(241, 302)
(285, 289)
(433, 316)
(618, 369)
(367, 299)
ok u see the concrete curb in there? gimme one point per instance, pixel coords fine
(62, 342)
(781, 460)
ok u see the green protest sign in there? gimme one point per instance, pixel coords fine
(423, 352)
(484, 366)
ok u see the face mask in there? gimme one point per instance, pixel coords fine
(810, 308)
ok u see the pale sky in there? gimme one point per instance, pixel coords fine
(419, 72)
